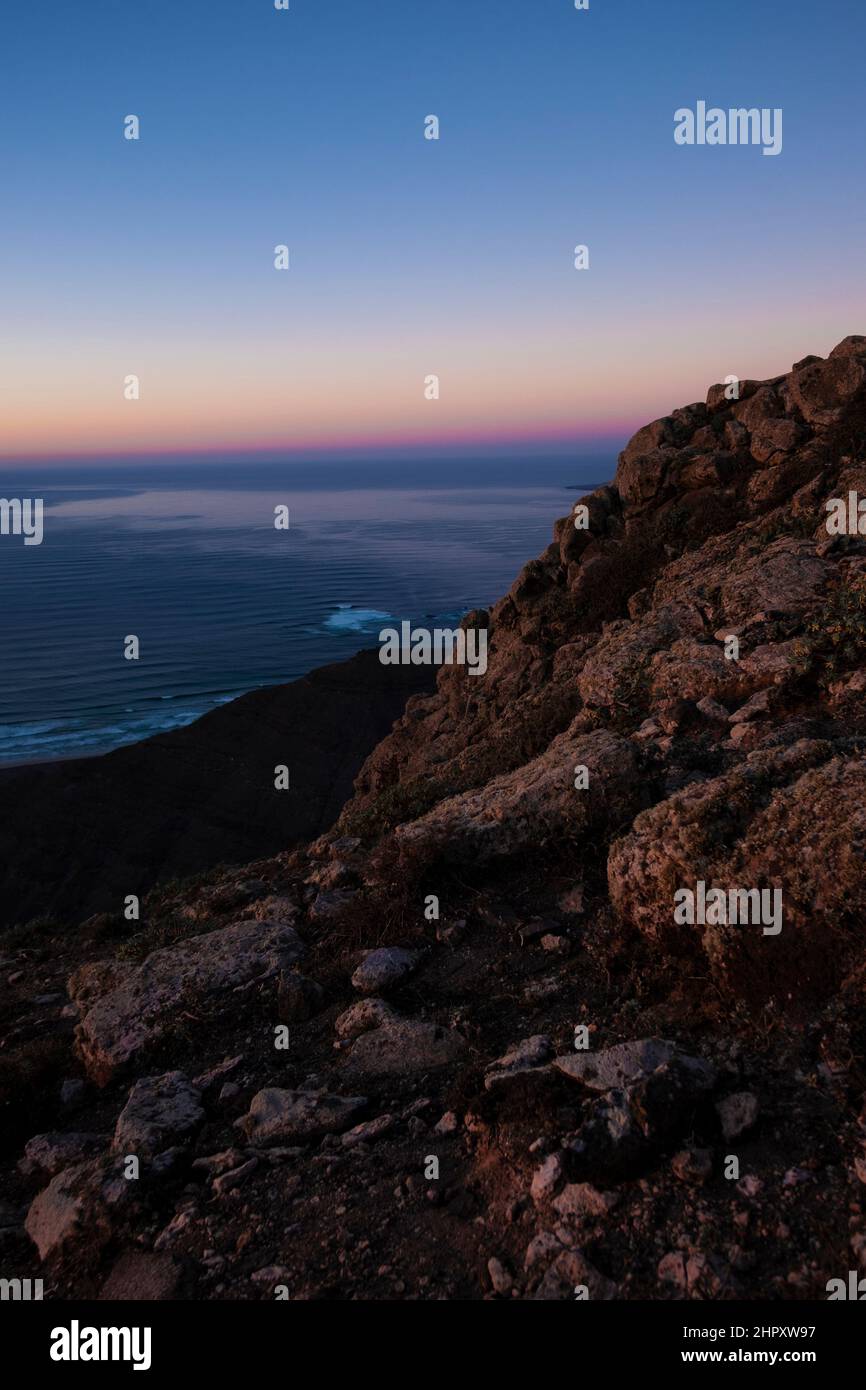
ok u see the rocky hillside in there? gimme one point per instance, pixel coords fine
(464, 1045)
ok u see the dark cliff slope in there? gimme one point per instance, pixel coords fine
(76, 836)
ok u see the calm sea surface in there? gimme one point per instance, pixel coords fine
(188, 559)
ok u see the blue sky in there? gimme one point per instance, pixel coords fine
(409, 257)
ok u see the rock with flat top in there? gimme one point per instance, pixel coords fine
(127, 1010)
(279, 1116)
(49, 1154)
(404, 1047)
(615, 1066)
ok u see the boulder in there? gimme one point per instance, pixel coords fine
(404, 1047)
(49, 1154)
(384, 968)
(823, 390)
(572, 1270)
(73, 1207)
(297, 1117)
(621, 1065)
(161, 1112)
(127, 1011)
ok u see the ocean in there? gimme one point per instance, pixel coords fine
(187, 559)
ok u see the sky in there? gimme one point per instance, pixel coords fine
(411, 257)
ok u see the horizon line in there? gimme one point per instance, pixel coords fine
(550, 444)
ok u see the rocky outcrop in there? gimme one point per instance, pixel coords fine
(736, 832)
(700, 536)
(535, 804)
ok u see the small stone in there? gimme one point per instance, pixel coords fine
(756, 707)
(555, 943)
(688, 1273)
(527, 1056)
(542, 1145)
(570, 1270)
(383, 968)
(235, 1176)
(449, 1123)
(547, 1178)
(499, 1276)
(582, 1200)
(222, 1162)
(331, 903)
(67, 1207)
(650, 728)
(270, 1275)
(533, 930)
(175, 1228)
(712, 709)
(693, 1165)
(299, 998)
(795, 1177)
(749, 1185)
(737, 1113)
(571, 902)
(209, 1079)
(544, 1246)
(363, 1017)
(367, 1131)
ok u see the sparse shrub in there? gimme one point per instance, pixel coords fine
(835, 636)
(164, 933)
(404, 801)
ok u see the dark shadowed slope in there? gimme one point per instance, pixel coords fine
(76, 836)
